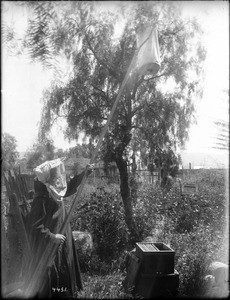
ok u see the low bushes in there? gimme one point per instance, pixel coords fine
(103, 217)
(193, 225)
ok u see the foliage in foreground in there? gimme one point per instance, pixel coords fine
(103, 287)
(194, 226)
(9, 151)
(103, 216)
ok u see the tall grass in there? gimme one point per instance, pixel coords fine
(103, 287)
(195, 226)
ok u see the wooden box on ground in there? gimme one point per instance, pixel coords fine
(157, 258)
(150, 286)
(150, 271)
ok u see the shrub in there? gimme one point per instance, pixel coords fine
(194, 253)
(148, 209)
(103, 217)
(194, 226)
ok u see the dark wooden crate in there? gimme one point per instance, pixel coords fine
(149, 286)
(156, 258)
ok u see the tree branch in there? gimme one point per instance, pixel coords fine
(100, 90)
(98, 59)
(55, 118)
(138, 108)
(157, 76)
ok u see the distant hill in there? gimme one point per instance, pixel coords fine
(211, 160)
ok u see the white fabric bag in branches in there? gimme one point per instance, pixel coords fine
(148, 60)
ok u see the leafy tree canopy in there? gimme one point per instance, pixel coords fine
(39, 153)
(154, 113)
(150, 114)
(9, 151)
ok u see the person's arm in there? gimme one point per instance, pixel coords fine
(76, 181)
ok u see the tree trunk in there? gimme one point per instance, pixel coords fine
(126, 197)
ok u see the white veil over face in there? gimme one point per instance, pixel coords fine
(52, 174)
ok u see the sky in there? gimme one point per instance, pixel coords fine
(214, 18)
(24, 82)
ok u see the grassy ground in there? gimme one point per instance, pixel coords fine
(103, 287)
(195, 226)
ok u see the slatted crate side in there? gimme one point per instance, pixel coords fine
(29, 180)
(16, 232)
(22, 184)
(11, 185)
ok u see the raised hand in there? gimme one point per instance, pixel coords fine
(59, 239)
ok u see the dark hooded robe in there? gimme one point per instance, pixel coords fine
(45, 219)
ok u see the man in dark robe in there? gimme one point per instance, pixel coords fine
(62, 278)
